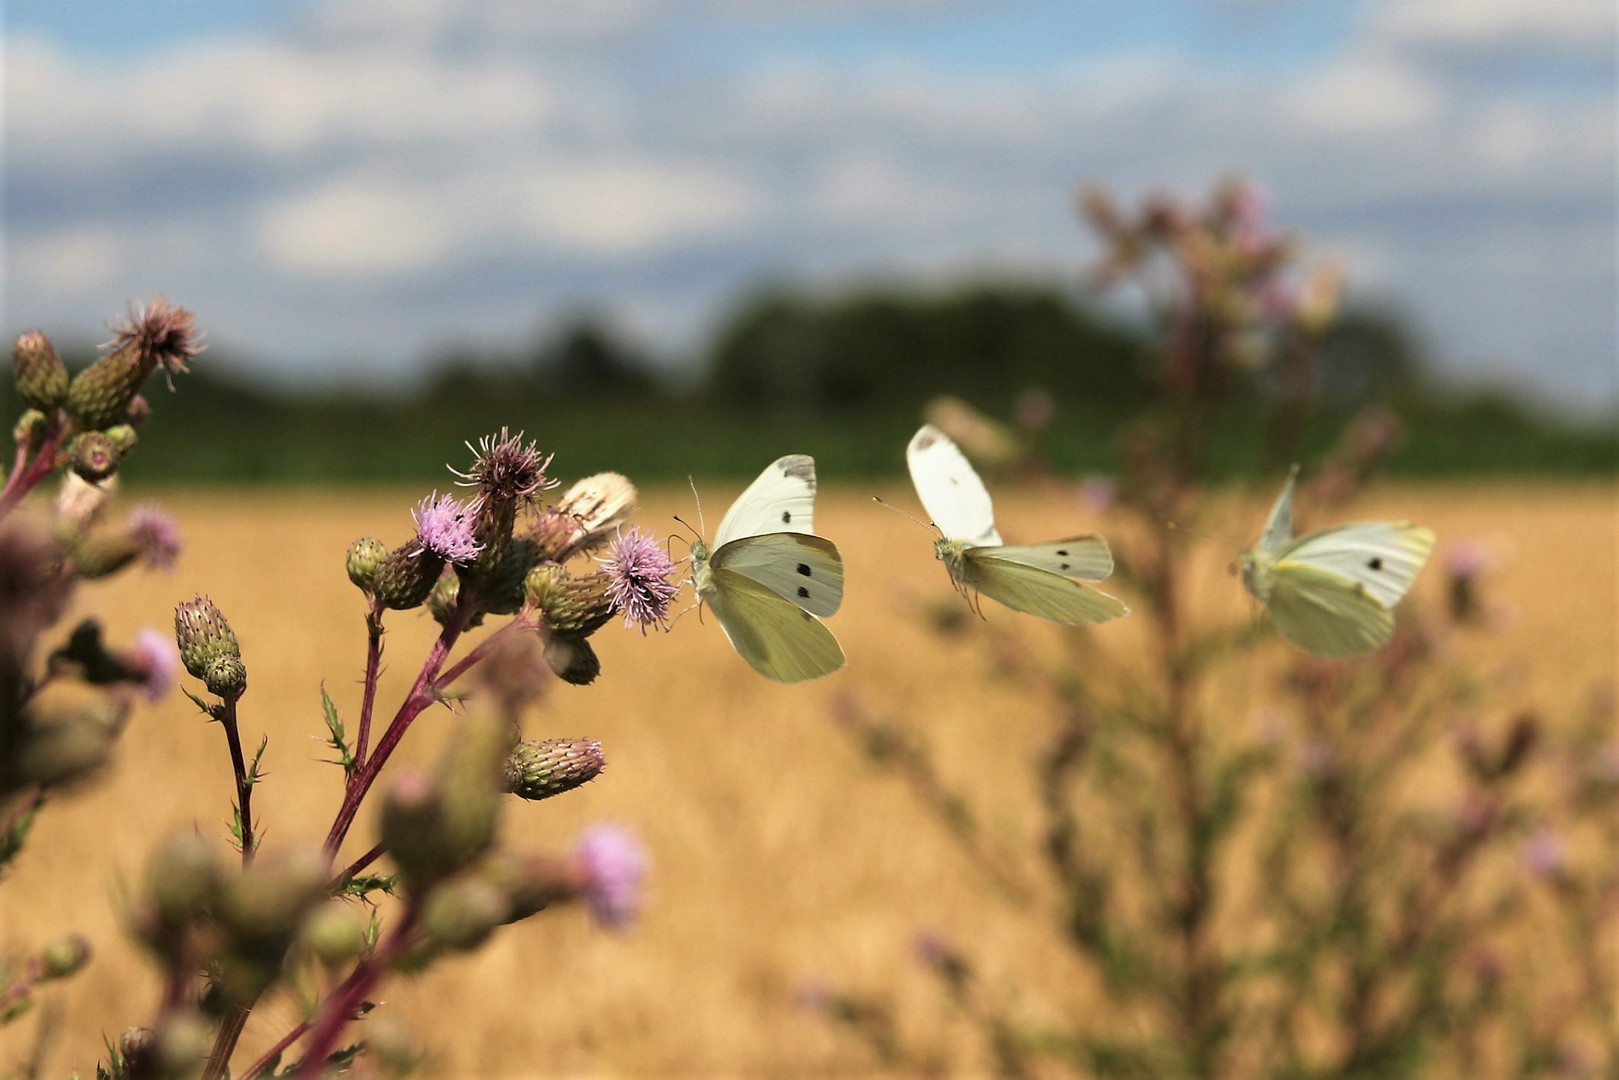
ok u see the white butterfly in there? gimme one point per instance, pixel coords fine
(1047, 580)
(1332, 593)
(769, 577)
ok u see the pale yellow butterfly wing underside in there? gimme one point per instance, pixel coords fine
(1325, 613)
(777, 638)
(1036, 591)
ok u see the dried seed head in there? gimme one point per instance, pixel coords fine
(203, 635)
(161, 336)
(80, 503)
(541, 768)
(639, 588)
(590, 512)
(41, 376)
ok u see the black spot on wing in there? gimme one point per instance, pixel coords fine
(802, 591)
(803, 568)
(1376, 562)
(786, 517)
(1065, 566)
(1063, 553)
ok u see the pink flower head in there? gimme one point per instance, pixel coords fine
(1098, 492)
(444, 527)
(157, 536)
(613, 864)
(638, 570)
(154, 663)
(163, 335)
(1545, 853)
(1466, 559)
(505, 470)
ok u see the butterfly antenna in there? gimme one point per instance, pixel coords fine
(1174, 526)
(699, 499)
(878, 499)
(687, 524)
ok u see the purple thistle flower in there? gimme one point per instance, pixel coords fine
(157, 536)
(638, 570)
(154, 663)
(444, 527)
(505, 470)
(1545, 853)
(613, 864)
(1098, 493)
(161, 333)
(1466, 559)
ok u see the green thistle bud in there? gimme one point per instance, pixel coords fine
(123, 437)
(530, 883)
(93, 456)
(30, 430)
(441, 601)
(415, 829)
(203, 635)
(573, 660)
(541, 768)
(461, 914)
(41, 375)
(67, 740)
(100, 395)
(500, 584)
(264, 907)
(100, 555)
(366, 556)
(63, 957)
(542, 580)
(407, 576)
(334, 935)
(226, 677)
(180, 1048)
(577, 607)
(183, 879)
(472, 773)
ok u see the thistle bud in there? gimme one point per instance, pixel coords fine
(334, 935)
(138, 411)
(365, 559)
(203, 635)
(573, 660)
(64, 957)
(123, 437)
(226, 677)
(41, 375)
(179, 1049)
(406, 577)
(67, 747)
(542, 581)
(413, 827)
(442, 600)
(93, 456)
(461, 914)
(541, 768)
(155, 336)
(102, 554)
(29, 433)
(472, 774)
(578, 607)
(265, 905)
(183, 879)
(532, 883)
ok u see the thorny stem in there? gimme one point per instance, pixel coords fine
(373, 665)
(32, 971)
(340, 1008)
(360, 864)
(244, 782)
(270, 1056)
(421, 695)
(26, 474)
(29, 803)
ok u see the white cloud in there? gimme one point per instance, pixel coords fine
(1585, 26)
(70, 260)
(358, 226)
(1364, 94)
(632, 207)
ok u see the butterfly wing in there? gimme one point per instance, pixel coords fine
(806, 570)
(1325, 613)
(1279, 526)
(780, 640)
(1383, 557)
(1083, 558)
(782, 499)
(952, 493)
(1030, 589)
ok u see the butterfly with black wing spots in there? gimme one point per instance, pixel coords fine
(769, 579)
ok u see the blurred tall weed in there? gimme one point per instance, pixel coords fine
(1384, 875)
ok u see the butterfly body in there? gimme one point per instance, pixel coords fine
(1332, 593)
(1050, 580)
(768, 578)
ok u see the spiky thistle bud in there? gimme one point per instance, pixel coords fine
(590, 512)
(573, 660)
(226, 677)
(41, 375)
(578, 606)
(442, 599)
(407, 576)
(64, 957)
(155, 336)
(123, 437)
(204, 637)
(333, 934)
(462, 913)
(541, 768)
(472, 774)
(93, 456)
(184, 877)
(365, 559)
(29, 434)
(414, 828)
(151, 536)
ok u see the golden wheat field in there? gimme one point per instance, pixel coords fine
(779, 856)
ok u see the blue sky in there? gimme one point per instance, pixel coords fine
(339, 187)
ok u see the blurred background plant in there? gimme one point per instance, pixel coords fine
(1375, 877)
(299, 920)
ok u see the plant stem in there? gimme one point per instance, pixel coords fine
(339, 1009)
(479, 651)
(26, 475)
(18, 990)
(230, 1030)
(373, 665)
(244, 783)
(362, 862)
(269, 1056)
(421, 695)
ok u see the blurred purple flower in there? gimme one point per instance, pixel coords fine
(1098, 492)
(1317, 759)
(638, 570)
(1545, 853)
(814, 995)
(444, 527)
(155, 663)
(933, 948)
(614, 865)
(1466, 559)
(157, 536)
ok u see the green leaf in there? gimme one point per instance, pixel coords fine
(338, 739)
